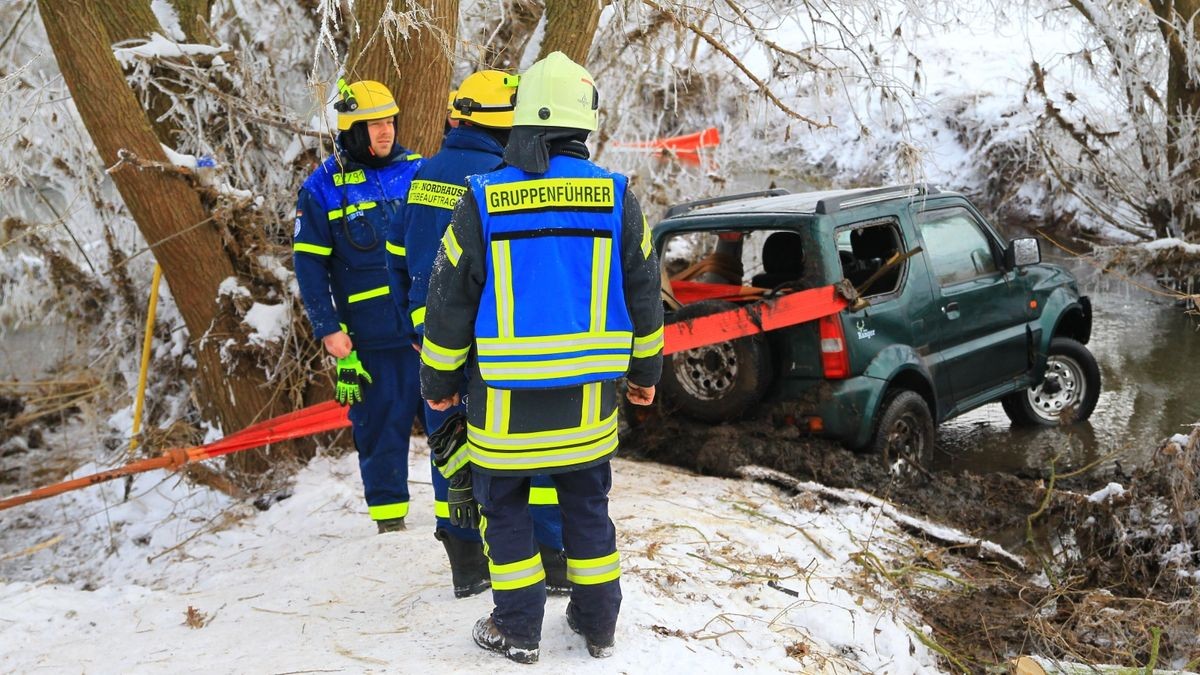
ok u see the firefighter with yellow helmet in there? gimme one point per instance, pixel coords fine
(482, 112)
(343, 267)
(546, 291)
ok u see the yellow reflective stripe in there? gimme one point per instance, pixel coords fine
(388, 511)
(441, 509)
(456, 461)
(450, 243)
(353, 208)
(554, 344)
(549, 193)
(520, 574)
(415, 155)
(601, 259)
(649, 345)
(352, 178)
(442, 358)
(502, 264)
(435, 194)
(396, 250)
(590, 414)
(597, 364)
(483, 526)
(418, 316)
(499, 403)
(530, 441)
(301, 247)
(543, 496)
(645, 238)
(546, 459)
(367, 295)
(594, 571)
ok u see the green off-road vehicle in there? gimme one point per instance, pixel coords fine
(945, 316)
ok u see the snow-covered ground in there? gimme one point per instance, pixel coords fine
(307, 586)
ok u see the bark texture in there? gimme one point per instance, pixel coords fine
(570, 28)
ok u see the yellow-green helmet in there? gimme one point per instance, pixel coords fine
(557, 92)
(363, 101)
(485, 98)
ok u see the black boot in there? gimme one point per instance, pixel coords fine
(468, 565)
(555, 564)
(598, 646)
(488, 636)
(390, 525)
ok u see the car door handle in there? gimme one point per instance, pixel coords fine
(950, 310)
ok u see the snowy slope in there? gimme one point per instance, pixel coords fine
(307, 586)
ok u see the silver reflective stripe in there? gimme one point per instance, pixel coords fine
(533, 570)
(601, 255)
(615, 363)
(492, 347)
(496, 410)
(591, 403)
(504, 309)
(551, 439)
(542, 459)
(371, 111)
(428, 355)
(592, 571)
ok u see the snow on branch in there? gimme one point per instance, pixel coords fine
(158, 47)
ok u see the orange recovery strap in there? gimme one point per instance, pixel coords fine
(770, 314)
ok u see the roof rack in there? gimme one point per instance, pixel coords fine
(835, 204)
(688, 206)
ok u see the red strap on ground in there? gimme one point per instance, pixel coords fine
(788, 310)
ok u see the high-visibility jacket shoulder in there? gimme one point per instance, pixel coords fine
(437, 187)
(553, 424)
(551, 240)
(343, 215)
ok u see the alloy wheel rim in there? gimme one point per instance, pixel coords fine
(1063, 386)
(707, 373)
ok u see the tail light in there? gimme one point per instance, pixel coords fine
(835, 359)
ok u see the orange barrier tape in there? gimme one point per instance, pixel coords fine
(759, 317)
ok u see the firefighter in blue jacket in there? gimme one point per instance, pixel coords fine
(546, 288)
(343, 261)
(482, 114)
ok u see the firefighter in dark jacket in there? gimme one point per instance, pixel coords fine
(547, 289)
(482, 111)
(343, 215)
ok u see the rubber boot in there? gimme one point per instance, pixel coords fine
(468, 565)
(390, 525)
(598, 646)
(555, 564)
(488, 636)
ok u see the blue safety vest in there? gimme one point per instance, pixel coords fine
(343, 217)
(552, 312)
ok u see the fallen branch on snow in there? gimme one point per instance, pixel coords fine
(937, 533)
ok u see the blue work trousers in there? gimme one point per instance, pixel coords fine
(589, 537)
(382, 424)
(547, 523)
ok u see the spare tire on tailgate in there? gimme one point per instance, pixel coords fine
(715, 383)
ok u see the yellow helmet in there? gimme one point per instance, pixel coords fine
(485, 98)
(557, 92)
(450, 102)
(363, 101)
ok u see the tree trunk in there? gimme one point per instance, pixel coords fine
(167, 210)
(193, 19)
(504, 45)
(570, 28)
(132, 20)
(1183, 110)
(419, 73)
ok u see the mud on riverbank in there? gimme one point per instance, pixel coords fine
(1110, 579)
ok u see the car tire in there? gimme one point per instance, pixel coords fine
(1071, 384)
(905, 430)
(715, 383)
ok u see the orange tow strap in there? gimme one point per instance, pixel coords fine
(758, 317)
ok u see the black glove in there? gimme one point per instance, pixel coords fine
(448, 445)
(464, 512)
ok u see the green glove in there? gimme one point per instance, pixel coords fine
(464, 512)
(351, 377)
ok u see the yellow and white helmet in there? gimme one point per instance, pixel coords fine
(557, 92)
(363, 101)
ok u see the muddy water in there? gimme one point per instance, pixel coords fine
(1149, 356)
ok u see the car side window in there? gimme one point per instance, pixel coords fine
(864, 249)
(957, 246)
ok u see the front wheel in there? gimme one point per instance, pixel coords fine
(1067, 393)
(905, 431)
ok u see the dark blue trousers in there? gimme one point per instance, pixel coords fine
(382, 424)
(547, 524)
(589, 537)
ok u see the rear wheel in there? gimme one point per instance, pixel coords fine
(905, 431)
(1067, 393)
(716, 383)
